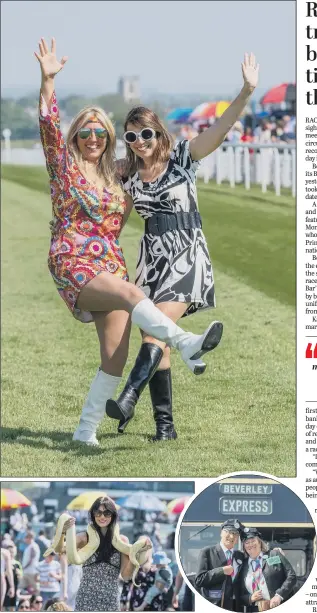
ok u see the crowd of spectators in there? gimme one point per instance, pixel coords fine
(35, 583)
(264, 130)
(268, 130)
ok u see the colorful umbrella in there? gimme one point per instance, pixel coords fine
(142, 501)
(11, 499)
(198, 111)
(184, 117)
(209, 109)
(177, 505)
(85, 500)
(286, 92)
(179, 115)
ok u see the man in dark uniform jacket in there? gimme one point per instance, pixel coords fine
(219, 568)
(266, 575)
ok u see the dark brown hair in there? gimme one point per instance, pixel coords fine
(147, 119)
(105, 548)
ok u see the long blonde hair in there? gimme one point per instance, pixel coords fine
(148, 119)
(106, 167)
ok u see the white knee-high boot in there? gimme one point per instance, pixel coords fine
(191, 346)
(102, 388)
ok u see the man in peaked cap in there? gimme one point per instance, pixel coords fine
(219, 568)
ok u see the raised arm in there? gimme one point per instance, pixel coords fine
(210, 139)
(126, 567)
(50, 66)
(51, 136)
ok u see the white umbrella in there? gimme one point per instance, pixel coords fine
(142, 501)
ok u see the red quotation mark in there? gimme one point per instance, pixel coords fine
(310, 353)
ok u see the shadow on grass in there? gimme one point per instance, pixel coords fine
(62, 441)
(143, 435)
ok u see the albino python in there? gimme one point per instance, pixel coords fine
(138, 552)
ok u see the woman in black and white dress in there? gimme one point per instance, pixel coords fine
(174, 268)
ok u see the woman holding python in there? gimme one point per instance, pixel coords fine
(104, 553)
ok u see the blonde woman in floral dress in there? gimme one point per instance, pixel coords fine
(85, 258)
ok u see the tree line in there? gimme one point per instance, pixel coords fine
(20, 116)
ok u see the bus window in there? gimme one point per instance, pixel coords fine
(297, 558)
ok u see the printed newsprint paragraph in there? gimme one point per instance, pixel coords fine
(305, 483)
(307, 276)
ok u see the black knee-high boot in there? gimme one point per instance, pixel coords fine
(144, 368)
(161, 395)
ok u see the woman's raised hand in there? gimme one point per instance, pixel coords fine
(250, 70)
(50, 65)
(69, 523)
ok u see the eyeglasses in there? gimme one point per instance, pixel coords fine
(38, 601)
(101, 513)
(145, 134)
(86, 132)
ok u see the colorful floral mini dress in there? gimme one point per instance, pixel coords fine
(86, 223)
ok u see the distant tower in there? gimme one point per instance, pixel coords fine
(129, 88)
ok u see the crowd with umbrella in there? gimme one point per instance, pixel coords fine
(277, 102)
(12, 499)
(147, 513)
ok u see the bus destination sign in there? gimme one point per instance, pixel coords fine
(245, 506)
(245, 489)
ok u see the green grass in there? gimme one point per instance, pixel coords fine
(34, 177)
(239, 416)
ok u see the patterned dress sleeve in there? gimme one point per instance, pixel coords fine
(182, 156)
(52, 139)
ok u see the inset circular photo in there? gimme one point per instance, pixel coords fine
(247, 543)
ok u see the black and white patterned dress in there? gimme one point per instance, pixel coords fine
(176, 266)
(99, 588)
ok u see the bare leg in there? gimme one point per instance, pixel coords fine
(106, 292)
(113, 331)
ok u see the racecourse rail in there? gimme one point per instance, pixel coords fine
(240, 164)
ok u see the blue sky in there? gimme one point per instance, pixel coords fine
(174, 46)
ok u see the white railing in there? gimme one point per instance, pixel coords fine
(264, 165)
(25, 157)
(247, 163)
(35, 156)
